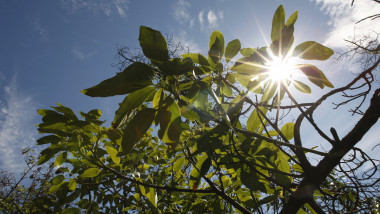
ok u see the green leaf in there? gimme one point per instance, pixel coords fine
(136, 76)
(248, 52)
(60, 159)
(48, 139)
(232, 49)
(197, 58)
(169, 116)
(67, 112)
(245, 81)
(153, 44)
(72, 185)
(315, 75)
(131, 102)
(178, 164)
(312, 51)
(46, 155)
(57, 180)
(90, 173)
(288, 130)
(250, 68)
(176, 66)
(113, 154)
(230, 78)
(136, 128)
(201, 168)
(292, 19)
(302, 87)
(278, 23)
(216, 47)
(70, 211)
(251, 180)
(150, 194)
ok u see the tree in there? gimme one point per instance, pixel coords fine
(210, 133)
(28, 194)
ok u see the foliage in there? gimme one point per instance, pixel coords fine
(181, 142)
(29, 194)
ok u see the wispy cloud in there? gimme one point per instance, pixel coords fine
(213, 18)
(181, 13)
(17, 114)
(343, 18)
(39, 28)
(82, 55)
(200, 19)
(108, 7)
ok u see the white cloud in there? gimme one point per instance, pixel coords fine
(200, 19)
(82, 55)
(108, 7)
(40, 29)
(214, 18)
(343, 18)
(17, 114)
(181, 13)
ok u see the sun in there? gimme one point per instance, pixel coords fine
(280, 69)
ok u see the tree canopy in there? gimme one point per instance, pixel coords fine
(208, 134)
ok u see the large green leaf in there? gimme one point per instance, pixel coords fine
(312, 51)
(150, 193)
(176, 66)
(278, 23)
(196, 58)
(292, 19)
(301, 87)
(315, 75)
(153, 44)
(201, 168)
(112, 152)
(48, 139)
(251, 68)
(169, 117)
(131, 102)
(232, 49)
(216, 47)
(288, 130)
(136, 128)
(251, 179)
(90, 173)
(134, 77)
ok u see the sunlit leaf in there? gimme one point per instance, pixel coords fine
(278, 23)
(131, 102)
(232, 49)
(312, 51)
(136, 128)
(112, 152)
(292, 19)
(247, 52)
(90, 173)
(302, 87)
(216, 46)
(196, 58)
(288, 130)
(201, 168)
(315, 75)
(72, 185)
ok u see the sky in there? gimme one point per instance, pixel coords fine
(50, 50)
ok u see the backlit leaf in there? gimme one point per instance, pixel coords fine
(278, 23)
(315, 75)
(312, 51)
(136, 128)
(302, 87)
(90, 173)
(216, 47)
(232, 49)
(112, 152)
(288, 130)
(131, 102)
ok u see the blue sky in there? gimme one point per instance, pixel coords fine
(50, 50)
